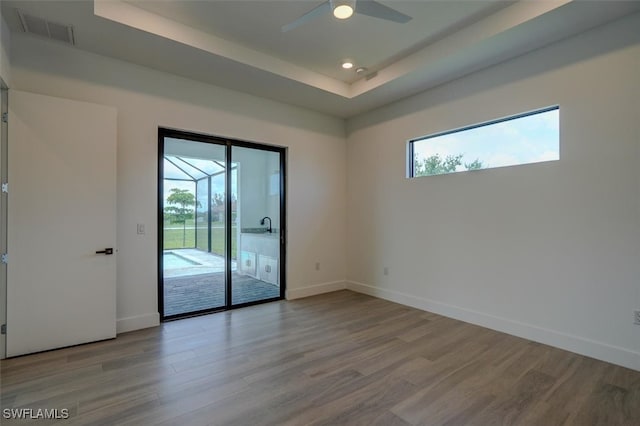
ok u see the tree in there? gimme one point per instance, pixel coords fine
(435, 165)
(218, 206)
(218, 199)
(181, 207)
(474, 165)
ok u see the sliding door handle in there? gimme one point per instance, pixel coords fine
(106, 251)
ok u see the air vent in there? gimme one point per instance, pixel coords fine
(43, 28)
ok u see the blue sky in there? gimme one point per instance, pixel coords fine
(218, 186)
(530, 139)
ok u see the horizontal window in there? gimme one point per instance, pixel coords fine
(526, 138)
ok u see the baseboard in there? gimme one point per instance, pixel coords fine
(312, 290)
(583, 346)
(137, 322)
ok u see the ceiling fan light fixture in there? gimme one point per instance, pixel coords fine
(343, 9)
(343, 12)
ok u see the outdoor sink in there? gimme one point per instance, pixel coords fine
(254, 230)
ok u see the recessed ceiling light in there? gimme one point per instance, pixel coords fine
(342, 9)
(347, 65)
(360, 70)
(343, 12)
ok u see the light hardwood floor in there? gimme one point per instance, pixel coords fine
(338, 358)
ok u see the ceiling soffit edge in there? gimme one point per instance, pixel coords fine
(131, 16)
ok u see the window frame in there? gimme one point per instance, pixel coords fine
(411, 150)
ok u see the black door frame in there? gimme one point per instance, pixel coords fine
(228, 143)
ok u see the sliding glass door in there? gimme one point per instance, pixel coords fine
(257, 194)
(221, 220)
(193, 226)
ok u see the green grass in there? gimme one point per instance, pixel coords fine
(217, 241)
(173, 238)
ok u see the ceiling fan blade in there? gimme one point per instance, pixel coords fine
(324, 8)
(379, 10)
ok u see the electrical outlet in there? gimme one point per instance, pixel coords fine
(140, 229)
(385, 270)
(636, 317)
(317, 266)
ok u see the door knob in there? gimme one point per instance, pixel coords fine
(106, 251)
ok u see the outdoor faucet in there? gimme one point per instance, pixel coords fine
(269, 230)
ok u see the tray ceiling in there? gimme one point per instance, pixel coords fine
(240, 45)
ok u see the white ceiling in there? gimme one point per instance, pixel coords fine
(238, 44)
(322, 43)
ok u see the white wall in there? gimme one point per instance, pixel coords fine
(5, 43)
(547, 251)
(254, 171)
(146, 99)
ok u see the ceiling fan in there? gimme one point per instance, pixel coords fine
(343, 9)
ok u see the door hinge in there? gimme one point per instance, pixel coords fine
(4, 258)
(3, 329)
(5, 117)
(5, 187)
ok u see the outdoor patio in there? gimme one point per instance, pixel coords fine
(194, 280)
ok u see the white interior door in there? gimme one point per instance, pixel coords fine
(62, 209)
